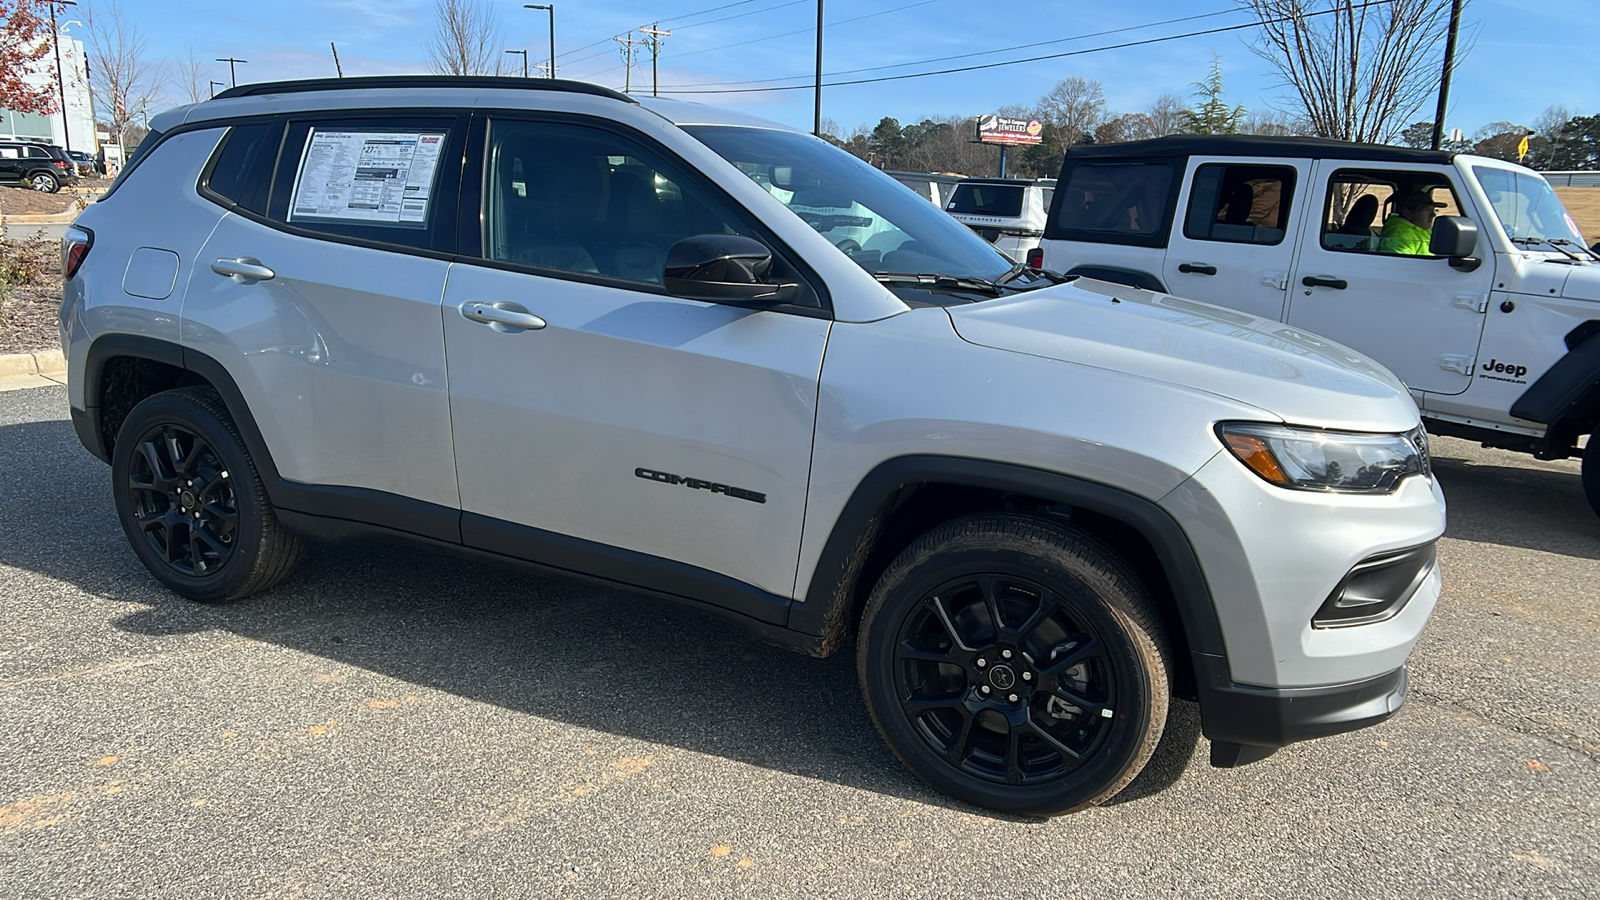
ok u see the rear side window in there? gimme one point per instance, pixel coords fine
(388, 181)
(243, 166)
(1003, 200)
(1239, 204)
(1115, 203)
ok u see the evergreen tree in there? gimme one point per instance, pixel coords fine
(1213, 115)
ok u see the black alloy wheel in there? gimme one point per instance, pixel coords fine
(1015, 663)
(183, 500)
(191, 502)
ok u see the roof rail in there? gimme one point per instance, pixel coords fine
(420, 81)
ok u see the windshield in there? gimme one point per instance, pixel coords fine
(1526, 205)
(987, 200)
(880, 224)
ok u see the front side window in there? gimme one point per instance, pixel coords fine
(1240, 204)
(1527, 207)
(1385, 212)
(1115, 198)
(882, 227)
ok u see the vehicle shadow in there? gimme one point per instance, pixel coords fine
(1492, 500)
(592, 657)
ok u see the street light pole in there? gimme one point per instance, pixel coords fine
(524, 55)
(214, 86)
(551, 9)
(61, 83)
(1444, 79)
(232, 75)
(816, 122)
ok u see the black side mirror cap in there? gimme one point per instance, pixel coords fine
(1453, 236)
(723, 268)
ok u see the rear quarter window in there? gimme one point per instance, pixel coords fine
(1114, 202)
(241, 171)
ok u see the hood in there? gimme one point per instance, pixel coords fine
(1291, 374)
(1583, 282)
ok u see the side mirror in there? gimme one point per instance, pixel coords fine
(1455, 237)
(723, 268)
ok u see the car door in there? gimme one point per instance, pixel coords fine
(10, 163)
(1421, 316)
(1236, 243)
(602, 425)
(319, 293)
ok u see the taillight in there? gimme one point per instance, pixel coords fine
(75, 244)
(59, 163)
(1036, 258)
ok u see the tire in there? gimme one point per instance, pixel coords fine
(1080, 646)
(1591, 472)
(44, 182)
(178, 459)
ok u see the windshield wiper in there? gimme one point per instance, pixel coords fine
(946, 282)
(1563, 242)
(1532, 241)
(1021, 269)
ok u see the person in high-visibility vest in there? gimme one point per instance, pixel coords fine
(1409, 228)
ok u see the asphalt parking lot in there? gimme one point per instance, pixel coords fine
(396, 724)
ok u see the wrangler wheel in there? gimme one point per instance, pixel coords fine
(1015, 663)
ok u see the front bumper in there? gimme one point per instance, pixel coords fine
(1245, 723)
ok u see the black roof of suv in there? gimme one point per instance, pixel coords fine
(1255, 145)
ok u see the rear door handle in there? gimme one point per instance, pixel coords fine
(243, 270)
(1337, 284)
(502, 315)
(1197, 268)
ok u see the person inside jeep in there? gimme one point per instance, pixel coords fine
(1409, 228)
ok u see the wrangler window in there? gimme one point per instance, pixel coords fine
(1240, 204)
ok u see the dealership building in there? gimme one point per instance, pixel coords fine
(71, 128)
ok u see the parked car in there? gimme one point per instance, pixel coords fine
(39, 166)
(86, 165)
(1487, 305)
(1007, 212)
(934, 186)
(542, 322)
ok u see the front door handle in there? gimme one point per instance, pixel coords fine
(502, 315)
(1197, 268)
(1337, 284)
(243, 270)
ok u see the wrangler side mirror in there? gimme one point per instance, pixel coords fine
(1455, 237)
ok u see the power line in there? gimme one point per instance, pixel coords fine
(753, 12)
(1017, 62)
(713, 9)
(772, 37)
(921, 62)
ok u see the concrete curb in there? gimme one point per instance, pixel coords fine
(63, 218)
(37, 362)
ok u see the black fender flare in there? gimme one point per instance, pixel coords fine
(1568, 393)
(833, 581)
(1119, 275)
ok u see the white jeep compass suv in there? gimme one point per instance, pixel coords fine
(543, 322)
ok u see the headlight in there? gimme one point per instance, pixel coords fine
(1309, 459)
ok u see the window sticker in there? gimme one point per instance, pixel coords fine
(369, 177)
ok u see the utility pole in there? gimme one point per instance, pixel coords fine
(816, 121)
(627, 59)
(1444, 79)
(551, 9)
(61, 84)
(232, 74)
(656, 34)
(524, 55)
(336, 67)
(548, 69)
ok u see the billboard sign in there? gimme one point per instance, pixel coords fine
(1004, 130)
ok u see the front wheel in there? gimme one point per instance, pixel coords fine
(1591, 472)
(191, 503)
(1015, 663)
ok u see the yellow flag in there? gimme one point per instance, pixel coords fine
(1522, 148)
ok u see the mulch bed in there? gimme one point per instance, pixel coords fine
(28, 317)
(21, 201)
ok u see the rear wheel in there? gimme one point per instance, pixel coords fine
(1016, 664)
(1591, 472)
(191, 503)
(44, 181)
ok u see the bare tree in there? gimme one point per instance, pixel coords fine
(1126, 127)
(1358, 69)
(1271, 122)
(1072, 108)
(466, 38)
(123, 78)
(194, 78)
(1167, 114)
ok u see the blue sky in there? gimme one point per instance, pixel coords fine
(1524, 56)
